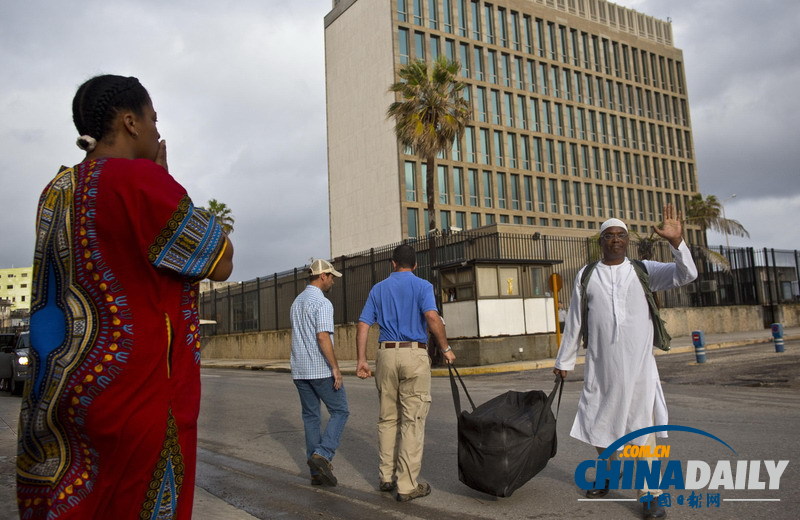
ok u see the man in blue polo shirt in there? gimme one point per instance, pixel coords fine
(404, 307)
(316, 373)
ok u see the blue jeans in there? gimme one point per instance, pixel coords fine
(312, 391)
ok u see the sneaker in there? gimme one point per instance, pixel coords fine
(387, 486)
(598, 492)
(324, 467)
(651, 509)
(422, 490)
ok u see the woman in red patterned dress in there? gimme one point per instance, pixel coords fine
(108, 426)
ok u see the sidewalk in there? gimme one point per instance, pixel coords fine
(679, 344)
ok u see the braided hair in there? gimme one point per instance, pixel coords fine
(97, 102)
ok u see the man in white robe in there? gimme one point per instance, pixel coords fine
(621, 391)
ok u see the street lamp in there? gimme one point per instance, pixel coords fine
(722, 204)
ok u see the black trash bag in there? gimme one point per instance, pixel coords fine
(506, 441)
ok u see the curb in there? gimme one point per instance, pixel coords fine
(282, 366)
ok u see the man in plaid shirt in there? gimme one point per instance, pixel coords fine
(316, 373)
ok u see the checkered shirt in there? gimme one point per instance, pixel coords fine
(311, 313)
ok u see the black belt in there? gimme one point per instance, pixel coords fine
(403, 344)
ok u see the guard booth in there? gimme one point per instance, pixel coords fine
(485, 298)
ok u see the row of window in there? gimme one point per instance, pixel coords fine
(489, 189)
(461, 220)
(535, 36)
(543, 116)
(12, 275)
(549, 80)
(509, 150)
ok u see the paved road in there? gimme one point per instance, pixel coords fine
(259, 465)
(251, 459)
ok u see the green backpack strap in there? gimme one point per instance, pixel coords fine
(587, 272)
(661, 338)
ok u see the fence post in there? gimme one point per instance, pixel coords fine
(344, 288)
(275, 278)
(258, 304)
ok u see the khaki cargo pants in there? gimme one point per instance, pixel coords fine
(403, 378)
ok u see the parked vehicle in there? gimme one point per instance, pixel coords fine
(14, 362)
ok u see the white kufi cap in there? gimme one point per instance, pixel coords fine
(613, 222)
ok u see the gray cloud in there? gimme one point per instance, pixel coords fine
(241, 101)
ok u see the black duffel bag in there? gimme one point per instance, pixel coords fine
(506, 441)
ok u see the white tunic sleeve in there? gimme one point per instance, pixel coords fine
(675, 274)
(571, 339)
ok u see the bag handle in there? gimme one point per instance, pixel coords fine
(456, 398)
(560, 387)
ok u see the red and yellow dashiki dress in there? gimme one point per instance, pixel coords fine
(108, 426)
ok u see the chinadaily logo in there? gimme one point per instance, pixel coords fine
(689, 483)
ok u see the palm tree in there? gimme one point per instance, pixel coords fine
(707, 213)
(223, 214)
(430, 114)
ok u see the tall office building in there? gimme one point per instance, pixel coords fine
(579, 113)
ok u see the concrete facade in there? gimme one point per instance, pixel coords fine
(363, 187)
(276, 345)
(580, 113)
(15, 286)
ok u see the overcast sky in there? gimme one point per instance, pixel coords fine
(240, 96)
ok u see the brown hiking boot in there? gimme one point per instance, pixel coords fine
(324, 468)
(422, 490)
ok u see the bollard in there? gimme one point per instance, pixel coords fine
(777, 336)
(699, 341)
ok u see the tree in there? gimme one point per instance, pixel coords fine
(430, 114)
(223, 214)
(706, 213)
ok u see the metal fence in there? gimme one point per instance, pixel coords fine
(756, 277)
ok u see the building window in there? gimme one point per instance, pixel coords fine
(419, 45)
(576, 196)
(553, 195)
(402, 11)
(492, 66)
(501, 190)
(433, 15)
(444, 218)
(475, 220)
(472, 183)
(469, 139)
(477, 60)
(498, 147)
(565, 197)
(402, 39)
(411, 181)
(435, 48)
(461, 220)
(447, 18)
(464, 60)
(514, 191)
(462, 17)
(443, 185)
(511, 147)
(487, 189)
(541, 197)
(417, 11)
(496, 110)
(411, 220)
(458, 187)
(528, 193)
(485, 145)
